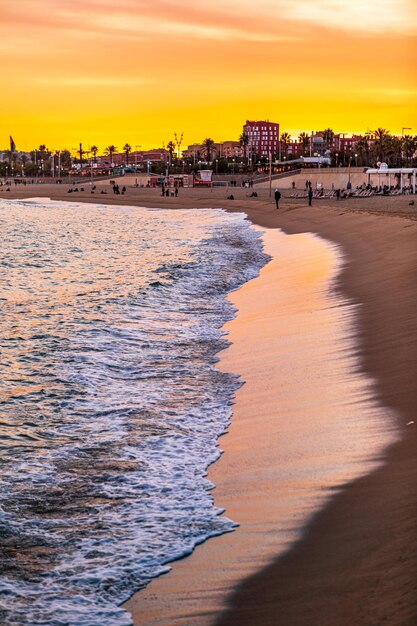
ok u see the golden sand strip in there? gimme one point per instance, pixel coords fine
(302, 424)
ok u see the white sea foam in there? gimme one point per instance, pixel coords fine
(111, 402)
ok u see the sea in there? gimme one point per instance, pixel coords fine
(111, 404)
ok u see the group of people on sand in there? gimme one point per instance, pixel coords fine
(169, 191)
(75, 189)
(244, 183)
(116, 189)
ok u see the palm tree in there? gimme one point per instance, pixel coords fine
(304, 139)
(381, 135)
(94, 151)
(362, 148)
(244, 142)
(208, 147)
(66, 158)
(285, 141)
(393, 146)
(409, 146)
(109, 151)
(171, 150)
(44, 152)
(328, 138)
(127, 148)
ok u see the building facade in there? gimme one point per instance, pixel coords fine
(263, 138)
(222, 150)
(158, 155)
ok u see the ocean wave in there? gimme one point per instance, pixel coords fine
(111, 399)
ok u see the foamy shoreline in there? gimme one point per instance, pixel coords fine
(302, 424)
(326, 578)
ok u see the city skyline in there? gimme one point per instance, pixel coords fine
(98, 73)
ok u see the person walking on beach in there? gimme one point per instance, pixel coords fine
(310, 195)
(277, 195)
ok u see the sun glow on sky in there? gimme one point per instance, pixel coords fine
(117, 71)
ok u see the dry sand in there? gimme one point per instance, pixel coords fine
(356, 564)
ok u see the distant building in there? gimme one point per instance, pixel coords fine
(294, 149)
(230, 150)
(193, 151)
(347, 144)
(263, 138)
(221, 150)
(156, 155)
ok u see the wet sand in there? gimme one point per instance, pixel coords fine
(356, 563)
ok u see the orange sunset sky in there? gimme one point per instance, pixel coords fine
(101, 71)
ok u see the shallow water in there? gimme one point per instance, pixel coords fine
(306, 422)
(110, 402)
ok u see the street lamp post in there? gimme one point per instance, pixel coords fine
(136, 158)
(356, 160)
(91, 166)
(337, 159)
(217, 166)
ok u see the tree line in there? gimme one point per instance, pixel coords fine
(369, 149)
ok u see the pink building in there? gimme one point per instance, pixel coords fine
(263, 138)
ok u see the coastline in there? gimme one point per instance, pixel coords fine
(357, 563)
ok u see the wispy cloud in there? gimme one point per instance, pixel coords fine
(265, 20)
(356, 16)
(177, 29)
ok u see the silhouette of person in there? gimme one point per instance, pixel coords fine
(277, 196)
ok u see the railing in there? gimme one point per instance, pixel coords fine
(265, 179)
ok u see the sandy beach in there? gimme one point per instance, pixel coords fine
(356, 562)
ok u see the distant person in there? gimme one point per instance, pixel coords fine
(277, 196)
(176, 192)
(310, 195)
(293, 184)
